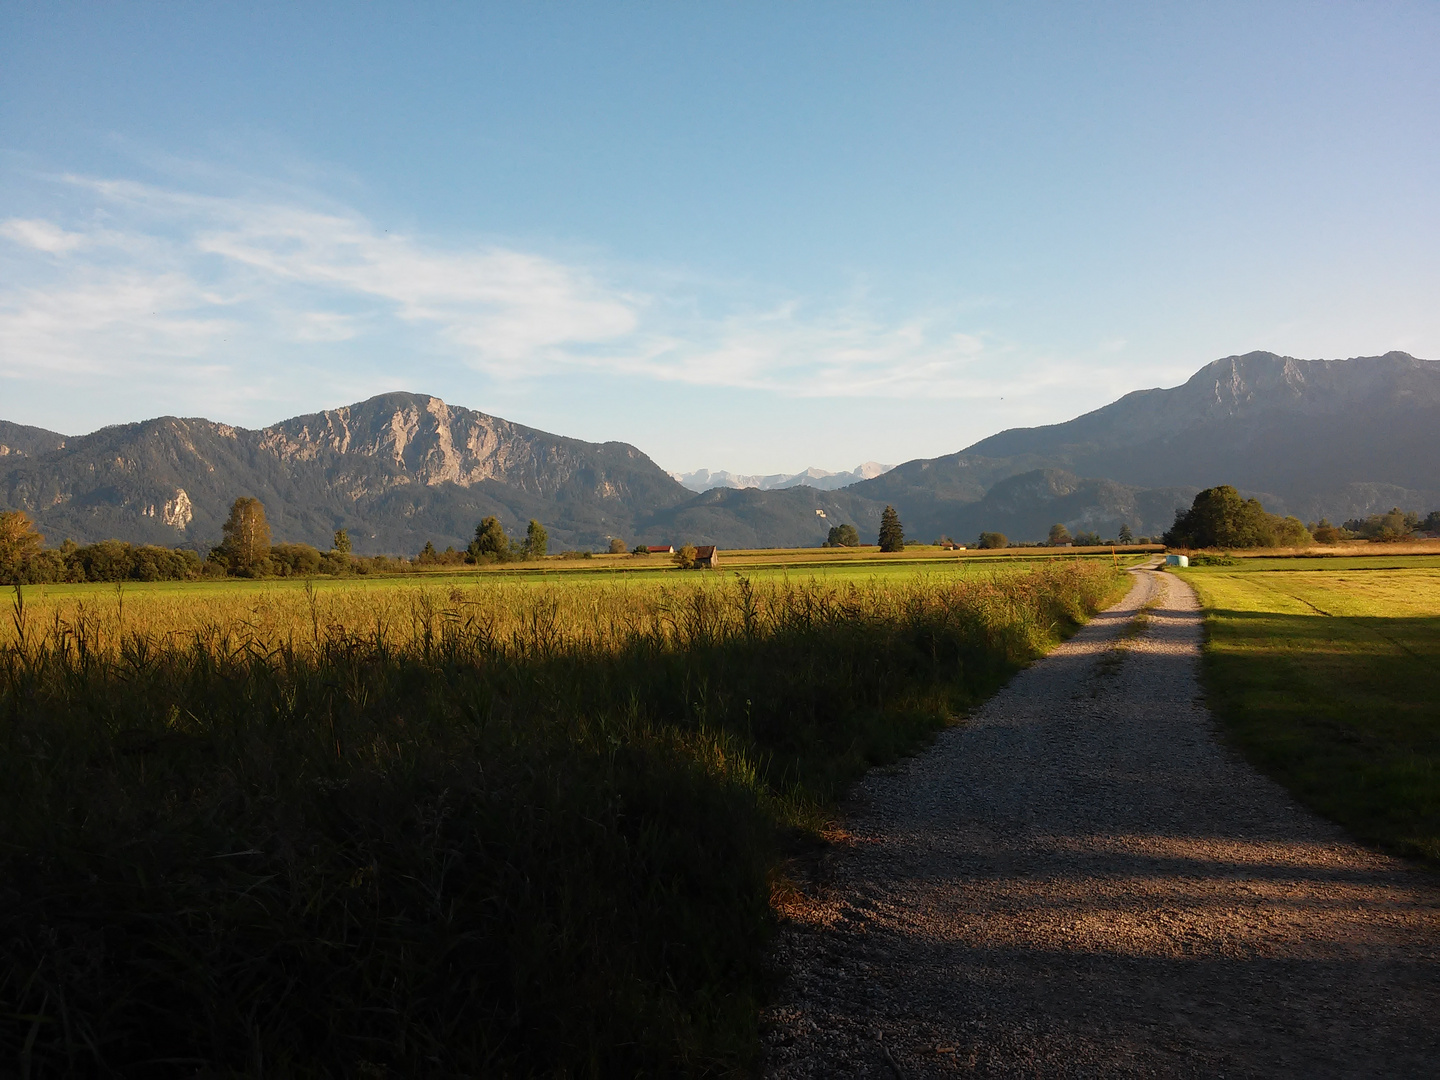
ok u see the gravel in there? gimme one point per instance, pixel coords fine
(1081, 880)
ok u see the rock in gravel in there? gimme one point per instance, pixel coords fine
(1081, 880)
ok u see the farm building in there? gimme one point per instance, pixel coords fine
(660, 549)
(707, 556)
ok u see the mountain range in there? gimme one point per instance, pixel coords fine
(819, 479)
(1336, 438)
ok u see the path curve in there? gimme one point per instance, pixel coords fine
(1082, 881)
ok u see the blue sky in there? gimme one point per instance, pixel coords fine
(743, 236)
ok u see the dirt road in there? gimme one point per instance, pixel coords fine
(1082, 881)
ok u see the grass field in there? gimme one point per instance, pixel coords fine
(480, 825)
(1350, 549)
(798, 564)
(1327, 676)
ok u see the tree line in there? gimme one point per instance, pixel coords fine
(891, 537)
(1221, 518)
(246, 549)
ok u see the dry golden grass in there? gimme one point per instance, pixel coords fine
(1348, 548)
(489, 827)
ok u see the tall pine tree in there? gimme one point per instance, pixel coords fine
(892, 535)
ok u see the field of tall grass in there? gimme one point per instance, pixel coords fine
(469, 829)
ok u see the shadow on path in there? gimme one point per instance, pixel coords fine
(1082, 881)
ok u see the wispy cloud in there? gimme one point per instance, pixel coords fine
(166, 281)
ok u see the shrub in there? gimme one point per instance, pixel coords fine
(295, 560)
(1392, 527)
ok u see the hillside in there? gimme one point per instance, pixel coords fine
(1335, 438)
(819, 479)
(17, 440)
(395, 471)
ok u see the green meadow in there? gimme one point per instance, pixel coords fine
(1325, 673)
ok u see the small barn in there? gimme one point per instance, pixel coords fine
(660, 549)
(707, 556)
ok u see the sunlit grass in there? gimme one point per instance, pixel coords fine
(1328, 681)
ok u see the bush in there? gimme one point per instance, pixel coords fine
(430, 557)
(109, 560)
(295, 560)
(1389, 528)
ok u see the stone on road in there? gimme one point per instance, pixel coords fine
(1081, 880)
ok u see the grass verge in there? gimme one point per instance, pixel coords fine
(1327, 682)
(522, 833)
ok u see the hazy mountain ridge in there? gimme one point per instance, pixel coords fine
(1337, 438)
(1334, 438)
(396, 470)
(18, 440)
(819, 479)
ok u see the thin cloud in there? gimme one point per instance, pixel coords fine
(40, 235)
(162, 278)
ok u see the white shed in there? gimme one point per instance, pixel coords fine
(1177, 560)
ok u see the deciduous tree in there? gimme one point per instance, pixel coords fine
(1220, 517)
(490, 543)
(19, 543)
(1059, 534)
(342, 542)
(842, 536)
(537, 540)
(991, 540)
(246, 543)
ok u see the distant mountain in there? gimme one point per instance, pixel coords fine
(395, 471)
(1335, 438)
(819, 479)
(748, 517)
(17, 440)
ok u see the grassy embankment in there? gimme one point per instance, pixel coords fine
(480, 828)
(1325, 675)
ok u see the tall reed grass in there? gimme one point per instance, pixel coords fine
(481, 831)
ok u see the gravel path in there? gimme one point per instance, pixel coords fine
(1081, 881)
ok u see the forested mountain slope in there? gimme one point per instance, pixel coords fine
(1337, 438)
(395, 471)
(1334, 438)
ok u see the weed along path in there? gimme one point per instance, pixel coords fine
(1082, 881)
